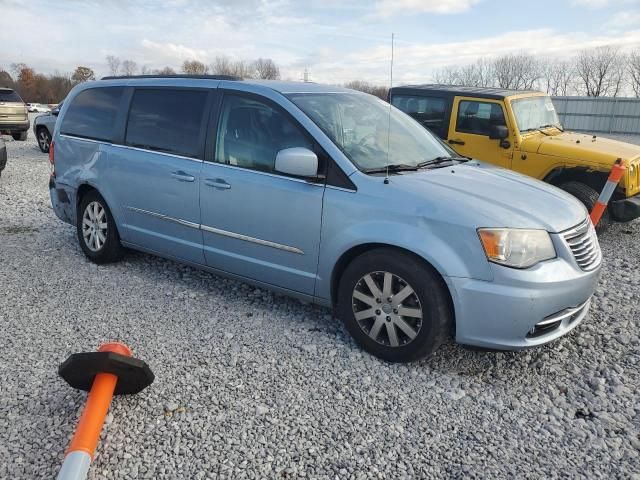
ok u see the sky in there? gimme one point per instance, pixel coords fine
(337, 41)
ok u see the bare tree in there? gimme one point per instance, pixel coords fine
(516, 71)
(223, 66)
(194, 67)
(164, 71)
(129, 67)
(6, 80)
(83, 74)
(114, 65)
(557, 77)
(478, 74)
(601, 71)
(366, 87)
(265, 68)
(633, 66)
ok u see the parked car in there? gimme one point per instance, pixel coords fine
(43, 126)
(3, 155)
(14, 118)
(328, 195)
(520, 130)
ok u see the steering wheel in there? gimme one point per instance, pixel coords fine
(364, 140)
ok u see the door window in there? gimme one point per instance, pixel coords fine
(92, 113)
(251, 133)
(428, 111)
(166, 120)
(478, 117)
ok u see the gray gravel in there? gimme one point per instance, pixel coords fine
(254, 385)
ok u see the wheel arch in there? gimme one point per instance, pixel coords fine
(593, 178)
(348, 256)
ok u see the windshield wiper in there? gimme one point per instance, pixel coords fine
(443, 159)
(399, 167)
(554, 125)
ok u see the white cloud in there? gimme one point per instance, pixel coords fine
(624, 19)
(385, 8)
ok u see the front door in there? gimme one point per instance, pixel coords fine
(471, 123)
(157, 171)
(256, 222)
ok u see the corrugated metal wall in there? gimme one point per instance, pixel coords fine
(601, 114)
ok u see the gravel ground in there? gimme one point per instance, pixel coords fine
(255, 385)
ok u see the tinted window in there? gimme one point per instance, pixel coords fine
(166, 120)
(428, 111)
(92, 113)
(478, 117)
(9, 96)
(251, 133)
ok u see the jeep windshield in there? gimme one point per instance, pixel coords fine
(535, 113)
(360, 125)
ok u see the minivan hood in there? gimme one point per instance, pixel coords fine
(481, 195)
(578, 146)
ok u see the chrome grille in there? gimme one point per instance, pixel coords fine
(583, 242)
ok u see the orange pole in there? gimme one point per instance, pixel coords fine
(615, 175)
(90, 424)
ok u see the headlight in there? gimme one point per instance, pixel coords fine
(516, 248)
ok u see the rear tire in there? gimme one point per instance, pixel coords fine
(97, 231)
(382, 317)
(44, 139)
(588, 197)
(21, 136)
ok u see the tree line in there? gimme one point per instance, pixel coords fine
(601, 71)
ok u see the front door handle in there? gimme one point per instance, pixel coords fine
(183, 176)
(220, 183)
(455, 141)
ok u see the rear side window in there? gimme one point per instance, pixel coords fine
(9, 96)
(92, 114)
(428, 111)
(166, 120)
(478, 117)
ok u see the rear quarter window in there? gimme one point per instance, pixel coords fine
(9, 96)
(92, 114)
(430, 112)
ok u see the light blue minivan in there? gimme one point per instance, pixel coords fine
(328, 195)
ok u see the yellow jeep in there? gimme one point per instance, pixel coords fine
(519, 130)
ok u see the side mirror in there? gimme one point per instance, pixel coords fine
(297, 161)
(498, 132)
(55, 112)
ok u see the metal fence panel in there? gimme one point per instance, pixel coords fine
(599, 114)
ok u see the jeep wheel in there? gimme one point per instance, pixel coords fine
(44, 139)
(394, 305)
(588, 196)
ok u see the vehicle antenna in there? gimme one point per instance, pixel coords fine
(386, 178)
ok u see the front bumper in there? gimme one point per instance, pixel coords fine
(626, 209)
(522, 308)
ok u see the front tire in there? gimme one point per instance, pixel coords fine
(97, 231)
(394, 305)
(588, 197)
(21, 136)
(44, 139)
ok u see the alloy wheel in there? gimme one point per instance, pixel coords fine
(94, 226)
(43, 139)
(387, 308)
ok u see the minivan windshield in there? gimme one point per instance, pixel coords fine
(361, 126)
(533, 113)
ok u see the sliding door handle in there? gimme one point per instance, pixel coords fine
(183, 176)
(220, 183)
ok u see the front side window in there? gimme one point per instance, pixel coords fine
(479, 117)
(370, 132)
(166, 120)
(534, 112)
(428, 111)
(92, 113)
(251, 133)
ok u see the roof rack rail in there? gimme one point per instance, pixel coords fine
(196, 77)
